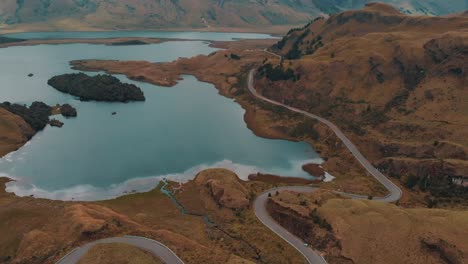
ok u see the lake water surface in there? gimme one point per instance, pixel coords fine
(218, 36)
(175, 133)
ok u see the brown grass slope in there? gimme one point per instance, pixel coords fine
(352, 231)
(40, 231)
(14, 132)
(396, 84)
(116, 253)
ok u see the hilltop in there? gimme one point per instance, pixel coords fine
(150, 14)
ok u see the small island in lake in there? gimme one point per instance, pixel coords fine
(98, 88)
(128, 43)
(68, 111)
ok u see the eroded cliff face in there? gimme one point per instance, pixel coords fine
(396, 84)
(352, 231)
(315, 233)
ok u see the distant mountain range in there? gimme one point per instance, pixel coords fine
(128, 14)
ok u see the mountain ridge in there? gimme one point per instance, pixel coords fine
(151, 14)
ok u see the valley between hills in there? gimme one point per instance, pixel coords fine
(396, 85)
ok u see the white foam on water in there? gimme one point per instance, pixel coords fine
(85, 192)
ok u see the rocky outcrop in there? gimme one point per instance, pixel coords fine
(98, 88)
(68, 111)
(225, 188)
(55, 123)
(448, 253)
(314, 169)
(304, 223)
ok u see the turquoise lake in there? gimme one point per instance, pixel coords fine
(175, 133)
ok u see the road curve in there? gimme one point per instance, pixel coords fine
(394, 191)
(154, 247)
(260, 203)
(262, 214)
(166, 255)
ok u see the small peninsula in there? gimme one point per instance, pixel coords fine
(38, 113)
(98, 88)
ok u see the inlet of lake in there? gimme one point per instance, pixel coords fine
(175, 133)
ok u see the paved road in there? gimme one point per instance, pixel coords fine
(394, 191)
(166, 255)
(156, 248)
(259, 204)
(260, 211)
(273, 54)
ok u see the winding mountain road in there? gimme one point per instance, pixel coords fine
(262, 214)
(166, 255)
(312, 256)
(394, 191)
(154, 247)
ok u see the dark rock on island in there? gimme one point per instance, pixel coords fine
(38, 113)
(56, 123)
(68, 111)
(98, 88)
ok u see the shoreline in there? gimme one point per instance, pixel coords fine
(90, 193)
(254, 115)
(262, 119)
(17, 187)
(279, 30)
(221, 44)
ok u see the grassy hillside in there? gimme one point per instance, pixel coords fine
(14, 130)
(397, 84)
(41, 231)
(351, 231)
(127, 14)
